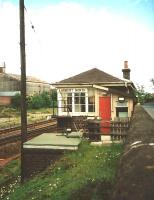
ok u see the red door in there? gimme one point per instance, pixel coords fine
(105, 113)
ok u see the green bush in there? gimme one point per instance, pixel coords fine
(36, 101)
(16, 101)
(46, 99)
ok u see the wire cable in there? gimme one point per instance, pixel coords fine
(32, 25)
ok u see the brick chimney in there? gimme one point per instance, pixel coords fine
(2, 68)
(126, 71)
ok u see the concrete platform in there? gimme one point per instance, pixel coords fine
(149, 109)
(52, 141)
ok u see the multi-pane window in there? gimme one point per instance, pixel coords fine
(91, 104)
(79, 102)
(69, 102)
(66, 102)
(91, 100)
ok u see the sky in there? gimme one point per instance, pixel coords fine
(73, 36)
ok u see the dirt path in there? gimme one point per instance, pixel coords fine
(5, 161)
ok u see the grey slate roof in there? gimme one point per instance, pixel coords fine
(92, 76)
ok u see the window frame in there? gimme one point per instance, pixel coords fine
(80, 101)
(76, 97)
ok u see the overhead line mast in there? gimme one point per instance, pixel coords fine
(23, 86)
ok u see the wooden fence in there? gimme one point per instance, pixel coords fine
(93, 127)
(119, 129)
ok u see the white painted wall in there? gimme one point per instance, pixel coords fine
(98, 93)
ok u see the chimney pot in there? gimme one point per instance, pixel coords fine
(126, 71)
(125, 64)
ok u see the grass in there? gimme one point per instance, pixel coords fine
(10, 171)
(10, 117)
(9, 177)
(88, 173)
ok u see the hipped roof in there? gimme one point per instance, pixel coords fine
(92, 76)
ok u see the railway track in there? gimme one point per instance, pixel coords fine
(14, 134)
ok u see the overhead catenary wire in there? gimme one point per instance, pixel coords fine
(32, 25)
(35, 39)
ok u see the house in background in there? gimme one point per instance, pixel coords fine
(97, 94)
(10, 85)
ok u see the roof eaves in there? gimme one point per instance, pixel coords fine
(77, 83)
(58, 83)
(100, 87)
(114, 91)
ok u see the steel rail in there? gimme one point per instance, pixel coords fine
(33, 130)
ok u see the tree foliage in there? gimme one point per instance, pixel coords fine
(54, 98)
(36, 101)
(16, 101)
(142, 96)
(152, 81)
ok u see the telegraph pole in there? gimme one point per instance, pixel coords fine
(23, 86)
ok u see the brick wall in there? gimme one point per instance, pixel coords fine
(5, 100)
(36, 160)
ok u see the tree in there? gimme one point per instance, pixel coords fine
(46, 99)
(54, 98)
(36, 101)
(141, 95)
(16, 101)
(152, 81)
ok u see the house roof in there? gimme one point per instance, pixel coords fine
(92, 76)
(9, 93)
(18, 78)
(28, 78)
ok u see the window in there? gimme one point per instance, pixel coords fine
(91, 100)
(67, 102)
(79, 102)
(63, 102)
(91, 104)
(122, 111)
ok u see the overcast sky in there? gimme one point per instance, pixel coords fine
(72, 36)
